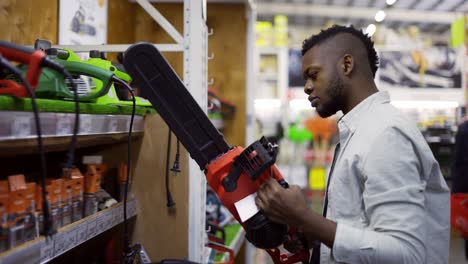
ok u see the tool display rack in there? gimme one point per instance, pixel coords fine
(193, 44)
(154, 224)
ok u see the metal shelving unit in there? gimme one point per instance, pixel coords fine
(42, 250)
(15, 125)
(193, 43)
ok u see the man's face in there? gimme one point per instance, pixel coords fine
(323, 83)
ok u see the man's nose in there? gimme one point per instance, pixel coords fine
(309, 86)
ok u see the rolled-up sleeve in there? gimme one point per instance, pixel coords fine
(393, 197)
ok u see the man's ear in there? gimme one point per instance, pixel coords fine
(348, 64)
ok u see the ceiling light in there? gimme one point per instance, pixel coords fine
(370, 30)
(380, 16)
(391, 2)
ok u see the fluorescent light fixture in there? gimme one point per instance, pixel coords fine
(370, 30)
(380, 16)
(267, 103)
(425, 104)
(391, 2)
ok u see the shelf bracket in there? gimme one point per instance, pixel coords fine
(161, 20)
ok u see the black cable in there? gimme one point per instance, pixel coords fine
(176, 165)
(127, 247)
(71, 150)
(45, 205)
(170, 202)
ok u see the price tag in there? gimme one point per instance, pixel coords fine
(101, 224)
(70, 238)
(133, 208)
(21, 126)
(127, 125)
(82, 233)
(92, 228)
(47, 250)
(109, 218)
(118, 215)
(64, 125)
(59, 243)
(113, 124)
(86, 124)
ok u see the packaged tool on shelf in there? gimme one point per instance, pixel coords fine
(92, 180)
(4, 202)
(67, 198)
(54, 194)
(16, 217)
(121, 179)
(30, 220)
(78, 198)
(74, 185)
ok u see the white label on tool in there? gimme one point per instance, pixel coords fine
(246, 208)
(21, 126)
(111, 93)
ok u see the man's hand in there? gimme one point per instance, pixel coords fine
(280, 205)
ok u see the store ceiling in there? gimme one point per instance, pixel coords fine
(430, 16)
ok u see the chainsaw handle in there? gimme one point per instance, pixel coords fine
(276, 174)
(16, 52)
(25, 55)
(108, 65)
(89, 70)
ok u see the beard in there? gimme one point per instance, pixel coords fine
(335, 94)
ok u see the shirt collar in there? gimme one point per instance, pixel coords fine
(350, 121)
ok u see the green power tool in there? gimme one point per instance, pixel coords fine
(117, 94)
(53, 85)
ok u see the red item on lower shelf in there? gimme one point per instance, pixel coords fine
(459, 212)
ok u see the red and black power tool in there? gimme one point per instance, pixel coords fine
(234, 173)
(25, 55)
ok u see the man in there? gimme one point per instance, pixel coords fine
(386, 200)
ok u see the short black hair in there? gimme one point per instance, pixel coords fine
(337, 29)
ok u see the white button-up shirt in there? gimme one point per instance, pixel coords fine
(386, 192)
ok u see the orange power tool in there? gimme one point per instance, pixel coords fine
(234, 173)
